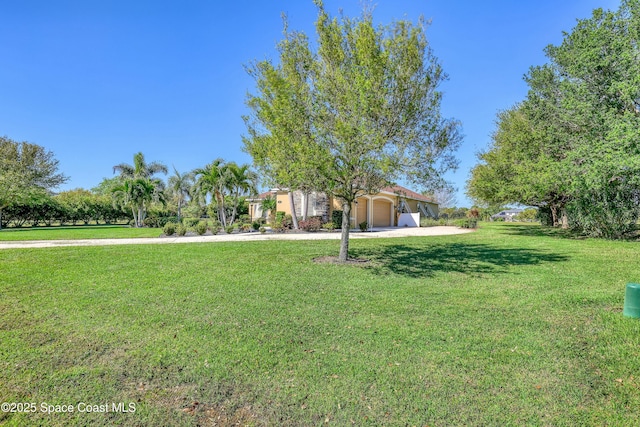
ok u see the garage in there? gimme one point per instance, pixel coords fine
(382, 213)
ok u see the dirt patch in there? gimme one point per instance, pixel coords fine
(219, 415)
(334, 260)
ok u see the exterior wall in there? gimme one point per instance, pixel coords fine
(282, 198)
(361, 211)
(379, 210)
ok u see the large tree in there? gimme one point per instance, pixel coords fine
(367, 106)
(26, 171)
(571, 147)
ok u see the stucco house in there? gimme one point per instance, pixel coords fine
(506, 215)
(383, 209)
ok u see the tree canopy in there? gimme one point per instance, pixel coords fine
(571, 147)
(354, 115)
(26, 171)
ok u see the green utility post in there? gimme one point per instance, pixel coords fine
(632, 300)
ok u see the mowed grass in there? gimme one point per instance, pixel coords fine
(499, 327)
(77, 232)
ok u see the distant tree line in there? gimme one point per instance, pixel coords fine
(29, 175)
(571, 146)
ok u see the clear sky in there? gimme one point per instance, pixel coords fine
(97, 81)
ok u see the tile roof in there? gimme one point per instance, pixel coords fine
(397, 189)
(262, 195)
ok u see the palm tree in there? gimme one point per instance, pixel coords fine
(136, 194)
(242, 181)
(140, 168)
(180, 185)
(138, 187)
(270, 204)
(214, 179)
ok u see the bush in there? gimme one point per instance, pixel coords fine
(429, 222)
(228, 229)
(329, 226)
(245, 228)
(181, 230)
(169, 229)
(528, 215)
(190, 222)
(363, 226)
(262, 230)
(312, 224)
(255, 225)
(201, 228)
(336, 218)
(467, 223)
(283, 222)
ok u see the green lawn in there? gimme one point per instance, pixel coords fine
(506, 326)
(77, 232)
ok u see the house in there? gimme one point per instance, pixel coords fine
(506, 215)
(383, 209)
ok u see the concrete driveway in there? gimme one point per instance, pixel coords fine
(244, 237)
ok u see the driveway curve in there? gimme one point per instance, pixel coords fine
(244, 237)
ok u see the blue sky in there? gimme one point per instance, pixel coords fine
(97, 81)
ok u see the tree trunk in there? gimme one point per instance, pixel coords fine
(344, 238)
(554, 215)
(140, 217)
(305, 205)
(179, 208)
(294, 216)
(235, 208)
(565, 219)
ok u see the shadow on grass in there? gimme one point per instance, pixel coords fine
(469, 258)
(540, 231)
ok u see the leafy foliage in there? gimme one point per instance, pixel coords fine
(352, 116)
(570, 148)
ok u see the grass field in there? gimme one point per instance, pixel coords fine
(77, 232)
(506, 326)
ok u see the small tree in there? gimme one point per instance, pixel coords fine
(270, 204)
(180, 186)
(367, 111)
(138, 188)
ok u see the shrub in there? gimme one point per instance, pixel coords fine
(201, 228)
(245, 228)
(336, 218)
(528, 215)
(329, 226)
(169, 229)
(255, 225)
(312, 224)
(363, 226)
(190, 222)
(283, 222)
(262, 230)
(228, 229)
(181, 230)
(467, 223)
(428, 222)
